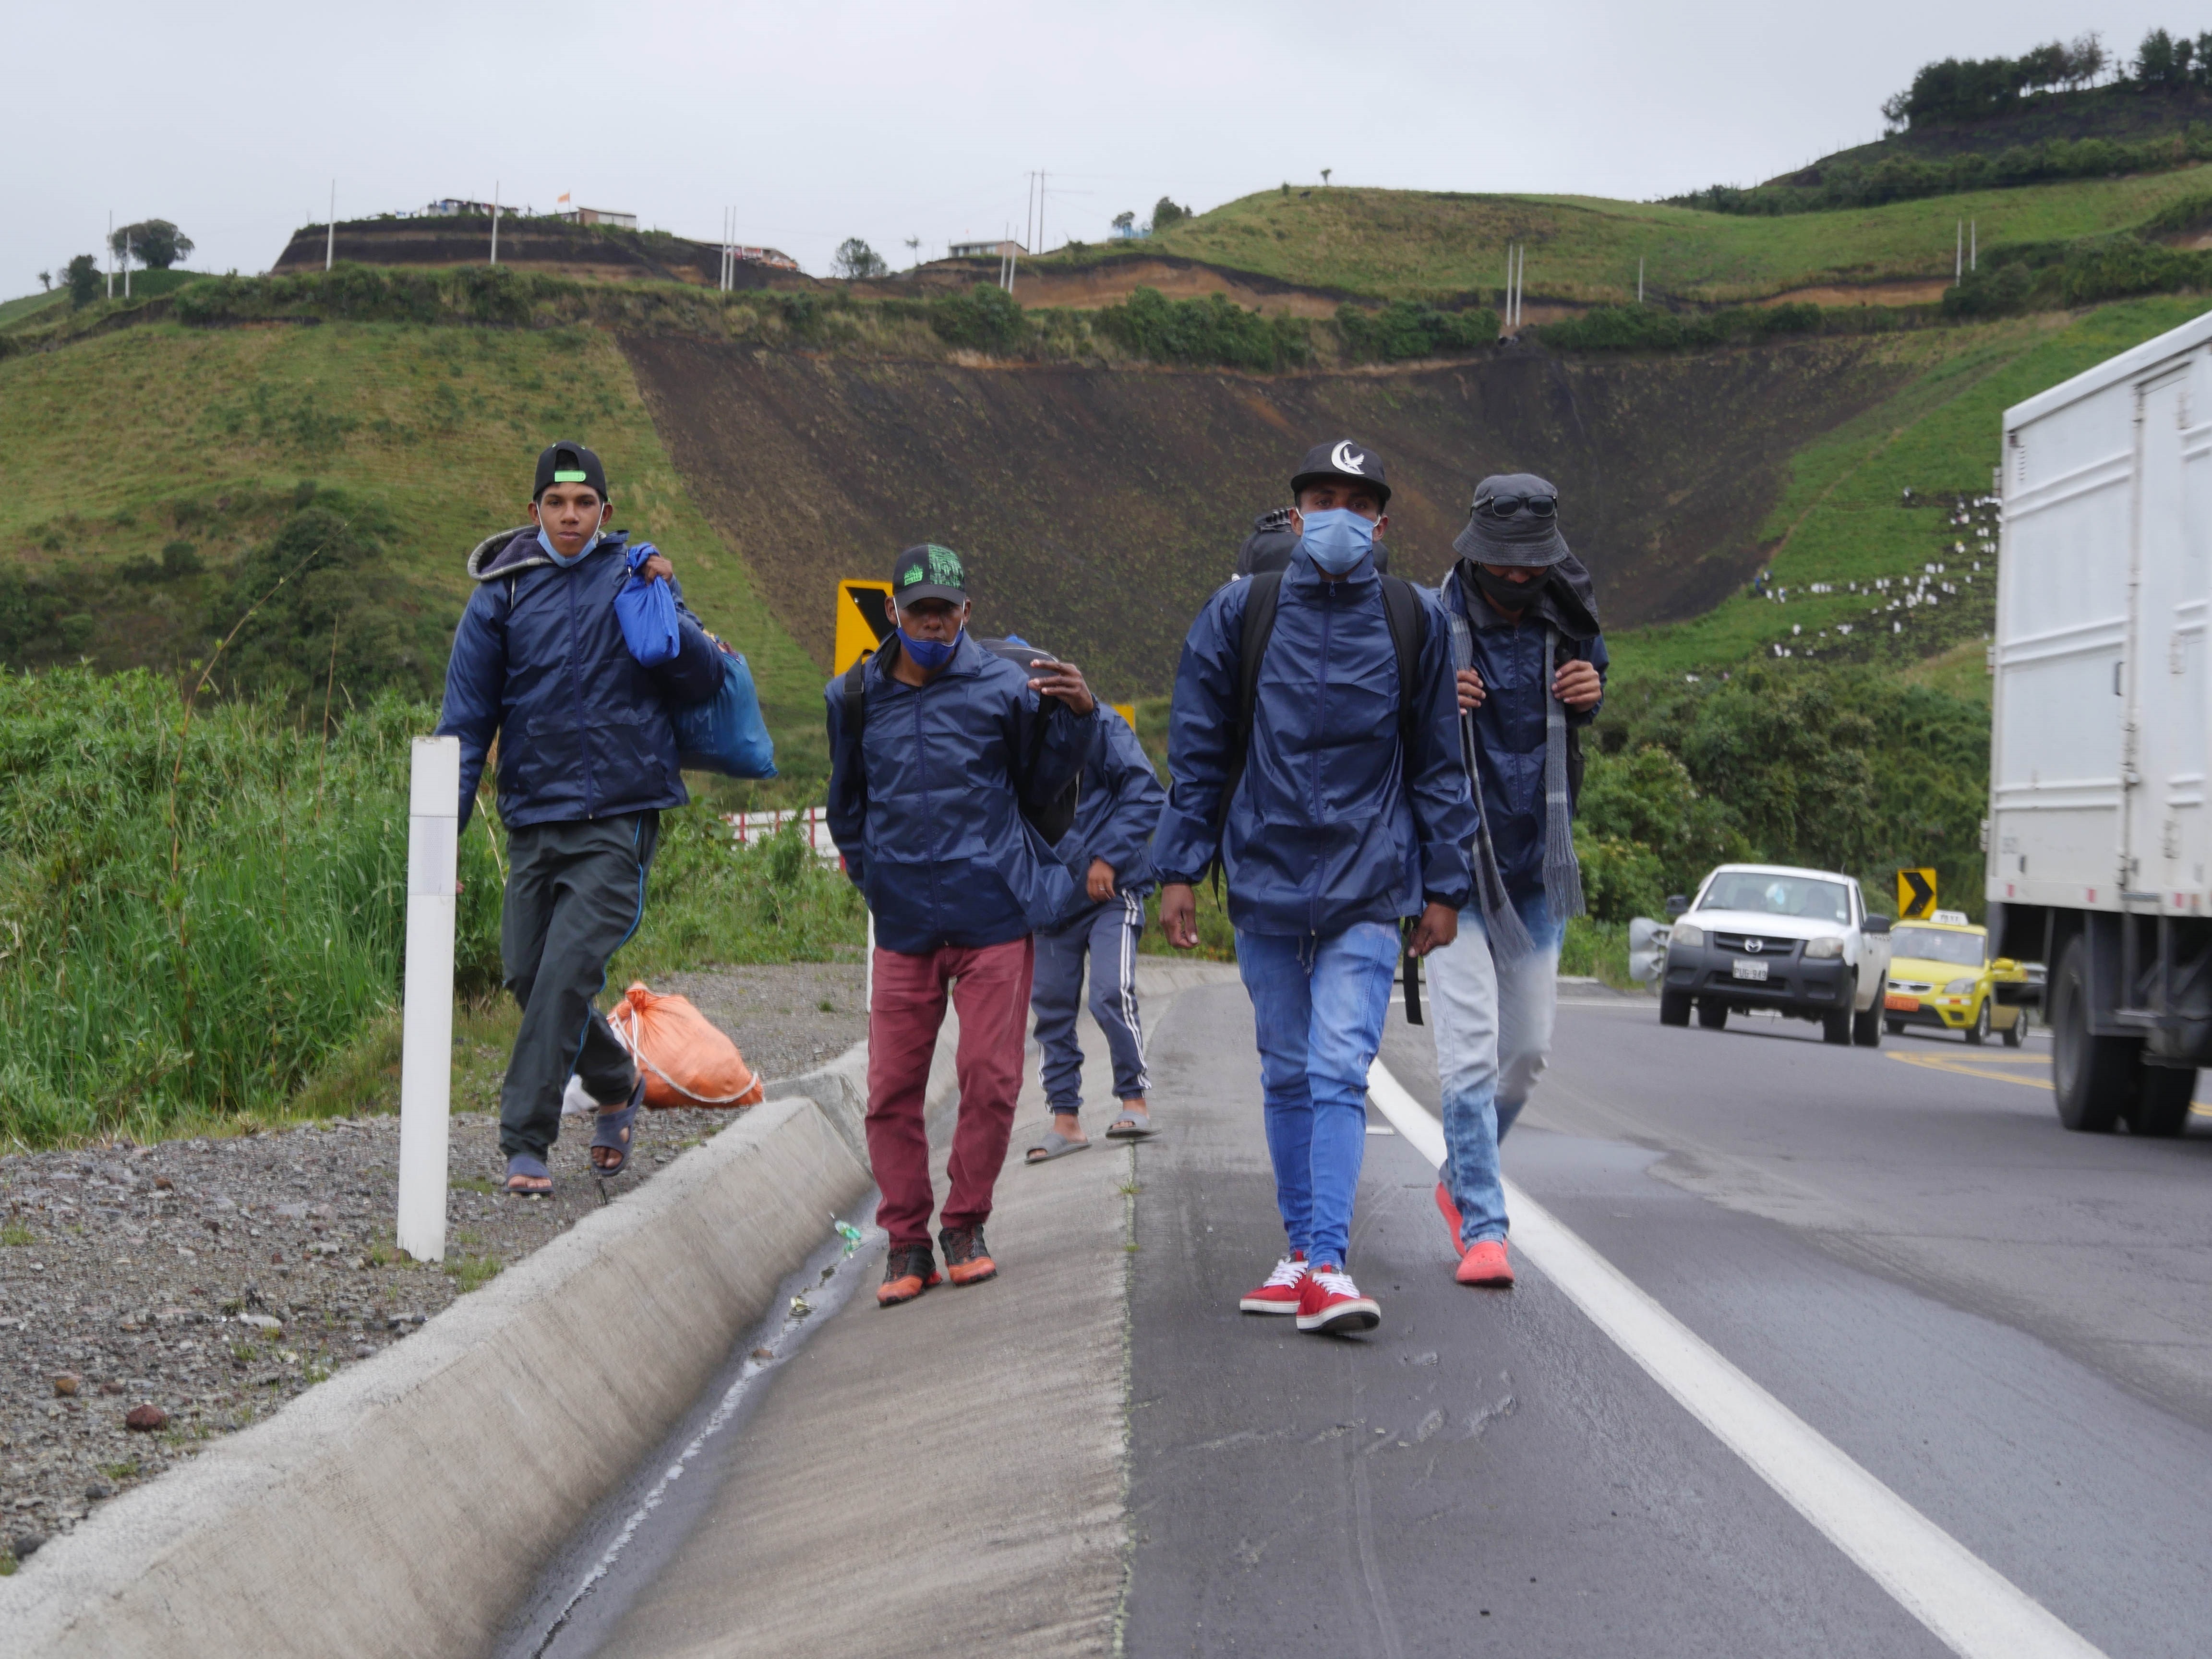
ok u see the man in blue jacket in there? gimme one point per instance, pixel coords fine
(1110, 851)
(586, 761)
(938, 750)
(1339, 809)
(1530, 665)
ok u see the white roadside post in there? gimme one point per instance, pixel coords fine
(425, 1054)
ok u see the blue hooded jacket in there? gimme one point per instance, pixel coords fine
(1117, 810)
(923, 802)
(539, 663)
(1330, 824)
(1509, 730)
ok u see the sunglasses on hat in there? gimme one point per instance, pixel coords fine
(1505, 507)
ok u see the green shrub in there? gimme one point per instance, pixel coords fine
(1404, 329)
(1203, 332)
(2115, 267)
(985, 319)
(1647, 328)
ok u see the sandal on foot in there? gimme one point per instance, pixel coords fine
(1054, 1144)
(1135, 1123)
(524, 1166)
(613, 1133)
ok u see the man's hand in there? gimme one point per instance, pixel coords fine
(1179, 915)
(1576, 685)
(1472, 691)
(1438, 925)
(1064, 680)
(658, 565)
(1100, 882)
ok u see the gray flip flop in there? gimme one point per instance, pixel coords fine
(1140, 1122)
(1054, 1144)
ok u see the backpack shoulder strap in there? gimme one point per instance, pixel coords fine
(1401, 609)
(1252, 645)
(856, 698)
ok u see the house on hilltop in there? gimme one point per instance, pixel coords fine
(584, 216)
(986, 250)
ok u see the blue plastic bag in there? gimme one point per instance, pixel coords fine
(647, 610)
(726, 733)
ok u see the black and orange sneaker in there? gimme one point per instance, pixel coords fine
(967, 1258)
(911, 1270)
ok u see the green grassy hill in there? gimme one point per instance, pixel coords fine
(1416, 244)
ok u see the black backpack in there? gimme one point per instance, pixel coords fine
(1401, 609)
(1056, 817)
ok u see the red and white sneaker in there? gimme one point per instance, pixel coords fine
(1330, 1305)
(1279, 1295)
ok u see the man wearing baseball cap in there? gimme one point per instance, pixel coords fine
(1530, 668)
(1313, 754)
(587, 759)
(940, 750)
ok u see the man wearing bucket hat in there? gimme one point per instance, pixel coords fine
(1530, 665)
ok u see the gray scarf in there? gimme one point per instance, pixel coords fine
(1562, 879)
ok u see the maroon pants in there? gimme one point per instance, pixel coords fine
(990, 990)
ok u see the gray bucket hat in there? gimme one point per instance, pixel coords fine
(1522, 538)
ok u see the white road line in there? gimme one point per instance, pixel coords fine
(1970, 1606)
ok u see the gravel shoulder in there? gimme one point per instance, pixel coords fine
(154, 1298)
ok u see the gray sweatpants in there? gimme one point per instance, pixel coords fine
(1108, 933)
(576, 892)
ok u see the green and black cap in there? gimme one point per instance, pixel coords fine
(928, 571)
(567, 463)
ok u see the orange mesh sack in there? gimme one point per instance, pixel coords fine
(685, 1059)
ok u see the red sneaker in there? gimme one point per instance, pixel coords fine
(1485, 1263)
(909, 1271)
(1451, 1214)
(1330, 1305)
(1279, 1295)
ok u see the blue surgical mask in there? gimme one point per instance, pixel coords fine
(1338, 539)
(929, 654)
(561, 558)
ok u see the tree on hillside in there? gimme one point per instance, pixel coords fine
(1166, 213)
(85, 284)
(1126, 222)
(154, 242)
(855, 259)
(2162, 61)
(46, 281)
(1975, 88)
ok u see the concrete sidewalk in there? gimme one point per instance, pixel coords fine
(978, 1505)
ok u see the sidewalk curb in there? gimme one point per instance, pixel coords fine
(405, 1507)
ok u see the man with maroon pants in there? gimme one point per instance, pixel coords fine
(936, 747)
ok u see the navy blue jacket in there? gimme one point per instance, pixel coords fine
(1116, 813)
(1509, 731)
(1330, 825)
(923, 803)
(539, 662)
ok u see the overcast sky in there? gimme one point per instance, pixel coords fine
(825, 120)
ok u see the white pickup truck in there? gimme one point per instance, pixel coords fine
(1771, 936)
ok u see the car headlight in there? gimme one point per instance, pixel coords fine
(1686, 932)
(1820, 950)
(1959, 988)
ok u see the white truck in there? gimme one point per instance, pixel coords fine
(2098, 841)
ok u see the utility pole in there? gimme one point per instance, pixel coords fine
(331, 247)
(126, 263)
(1959, 256)
(1640, 281)
(111, 253)
(495, 222)
(1040, 233)
(1973, 234)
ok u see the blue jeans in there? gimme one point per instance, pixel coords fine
(1319, 1004)
(1493, 1030)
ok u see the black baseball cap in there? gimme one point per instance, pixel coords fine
(567, 463)
(1342, 460)
(926, 571)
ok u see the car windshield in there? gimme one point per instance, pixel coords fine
(1938, 945)
(1777, 895)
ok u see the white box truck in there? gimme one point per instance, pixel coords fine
(2099, 841)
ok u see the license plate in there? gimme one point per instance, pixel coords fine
(1898, 1004)
(1743, 969)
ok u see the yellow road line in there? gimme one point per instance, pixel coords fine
(1961, 1065)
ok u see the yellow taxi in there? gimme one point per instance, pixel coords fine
(1940, 975)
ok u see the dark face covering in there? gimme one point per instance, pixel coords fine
(1508, 594)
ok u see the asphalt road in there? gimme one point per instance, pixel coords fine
(2005, 1324)
(2001, 1330)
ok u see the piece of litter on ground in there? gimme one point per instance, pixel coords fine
(800, 1307)
(848, 1232)
(1381, 1129)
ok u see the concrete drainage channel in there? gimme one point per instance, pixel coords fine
(620, 1550)
(411, 1505)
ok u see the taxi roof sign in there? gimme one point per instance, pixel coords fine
(1951, 919)
(863, 620)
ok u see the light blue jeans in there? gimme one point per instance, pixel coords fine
(1318, 1003)
(1493, 1030)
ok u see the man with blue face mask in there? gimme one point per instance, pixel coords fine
(1313, 753)
(941, 752)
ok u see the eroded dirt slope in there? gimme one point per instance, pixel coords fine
(1100, 506)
